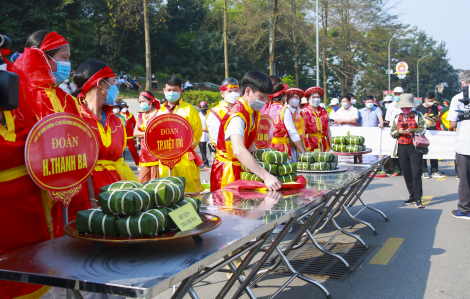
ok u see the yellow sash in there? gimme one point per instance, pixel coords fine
(228, 176)
(13, 173)
(280, 140)
(122, 168)
(8, 133)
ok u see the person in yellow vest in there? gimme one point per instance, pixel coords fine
(230, 91)
(188, 167)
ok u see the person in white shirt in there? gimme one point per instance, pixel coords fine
(391, 110)
(188, 86)
(334, 104)
(68, 86)
(347, 115)
(205, 133)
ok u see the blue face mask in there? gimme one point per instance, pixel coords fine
(63, 70)
(369, 105)
(144, 106)
(112, 95)
(172, 96)
(396, 99)
(335, 108)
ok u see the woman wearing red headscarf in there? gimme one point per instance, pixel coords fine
(96, 89)
(316, 121)
(148, 162)
(22, 216)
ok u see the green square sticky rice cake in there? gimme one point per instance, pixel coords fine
(291, 177)
(125, 202)
(145, 224)
(286, 168)
(307, 157)
(166, 191)
(258, 154)
(355, 140)
(274, 157)
(248, 176)
(339, 140)
(303, 166)
(271, 168)
(121, 185)
(323, 157)
(94, 221)
(320, 166)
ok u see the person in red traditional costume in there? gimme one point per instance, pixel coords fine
(130, 126)
(96, 88)
(298, 123)
(148, 163)
(285, 130)
(237, 135)
(316, 121)
(230, 92)
(22, 216)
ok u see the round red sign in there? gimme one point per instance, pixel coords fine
(265, 131)
(61, 152)
(168, 137)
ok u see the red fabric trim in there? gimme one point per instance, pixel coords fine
(53, 40)
(286, 87)
(105, 72)
(152, 99)
(216, 115)
(314, 89)
(296, 91)
(228, 86)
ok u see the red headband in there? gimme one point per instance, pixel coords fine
(282, 91)
(105, 72)
(229, 86)
(53, 40)
(152, 99)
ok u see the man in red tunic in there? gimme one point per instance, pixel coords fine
(316, 121)
(236, 140)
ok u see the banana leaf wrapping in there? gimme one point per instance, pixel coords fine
(364, 147)
(353, 148)
(145, 224)
(121, 185)
(248, 176)
(196, 203)
(333, 165)
(323, 157)
(125, 202)
(166, 191)
(339, 147)
(303, 166)
(94, 221)
(286, 168)
(335, 158)
(274, 157)
(271, 168)
(355, 140)
(285, 205)
(307, 157)
(258, 154)
(250, 204)
(339, 140)
(291, 177)
(271, 217)
(322, 166)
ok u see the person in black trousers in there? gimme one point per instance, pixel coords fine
(405, 125)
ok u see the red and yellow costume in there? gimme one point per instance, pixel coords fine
(219, 112)
(146, 159)
(130, 125)
(316, 124)
(226, 167)
(188, 167)
(280, 139)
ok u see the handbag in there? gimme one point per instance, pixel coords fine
(421, 141)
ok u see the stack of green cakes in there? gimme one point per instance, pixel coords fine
(134, 209)
(317, 161)
(275, 163)
(345, 144)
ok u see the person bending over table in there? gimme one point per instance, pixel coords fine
(148, 163)
(405, 126)
(347, 115)
(316, 121)
(236, 140)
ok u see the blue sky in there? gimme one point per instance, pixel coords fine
(447, 21)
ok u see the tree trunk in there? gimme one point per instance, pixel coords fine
(324, 48)
(296, 46)
(148, 66)
(273, 42)
(225, 39)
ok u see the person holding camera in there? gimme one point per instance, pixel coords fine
(405, 125)
(457, 119)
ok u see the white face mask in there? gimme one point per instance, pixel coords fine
(386, 105)
(345, 104)
(115, 110)
(124, 110)
(294, 102)
(430, 103)
(257, 104)
(353, 101)
(232, 97)
(315, 102)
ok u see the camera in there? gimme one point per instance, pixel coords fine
(465, 114)
(9, 81)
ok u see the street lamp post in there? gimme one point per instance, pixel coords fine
(417, 73)
(318, 46)
(388, 71)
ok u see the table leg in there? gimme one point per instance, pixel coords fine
(359, 157)
(185, 286)
(355, 159)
